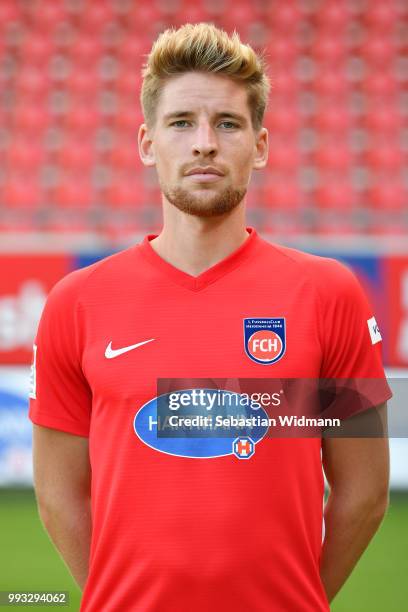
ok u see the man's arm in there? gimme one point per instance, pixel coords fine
(62, 480)
(357, 470)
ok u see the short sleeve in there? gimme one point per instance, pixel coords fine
(350, 336)
(60, 397)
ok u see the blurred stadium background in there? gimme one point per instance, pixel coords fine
(72, 190)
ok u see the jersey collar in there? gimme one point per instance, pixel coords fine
(209, 276)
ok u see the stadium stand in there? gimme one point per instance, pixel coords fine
(70, 73)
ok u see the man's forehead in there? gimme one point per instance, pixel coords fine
(196, 92)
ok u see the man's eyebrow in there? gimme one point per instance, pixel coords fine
(175, 114)
(233, 115)
(229, 114)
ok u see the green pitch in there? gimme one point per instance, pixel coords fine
(28, 561)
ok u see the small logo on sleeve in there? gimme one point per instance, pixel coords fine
(33, 375)
(374, 330)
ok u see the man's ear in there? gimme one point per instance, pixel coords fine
(261, 149)
(146, 150)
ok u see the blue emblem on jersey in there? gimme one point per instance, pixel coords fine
(212, 441)
(265, 339)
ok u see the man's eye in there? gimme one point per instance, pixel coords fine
(180, 123)
(229, 124)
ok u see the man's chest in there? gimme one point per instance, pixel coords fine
(129, 344)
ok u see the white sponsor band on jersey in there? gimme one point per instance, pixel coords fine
(33, 375)
(374, 330)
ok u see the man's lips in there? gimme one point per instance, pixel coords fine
(203, 170)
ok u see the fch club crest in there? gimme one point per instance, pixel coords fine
(243, 447)
(265, 339)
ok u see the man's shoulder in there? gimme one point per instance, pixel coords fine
(318, 267)
(332, 280)
(73, 285)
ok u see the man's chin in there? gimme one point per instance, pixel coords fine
(206, 204)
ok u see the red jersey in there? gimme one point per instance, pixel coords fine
(181, 525)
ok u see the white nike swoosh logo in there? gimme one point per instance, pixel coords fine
(110, 353)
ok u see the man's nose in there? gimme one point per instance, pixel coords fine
(205, 142)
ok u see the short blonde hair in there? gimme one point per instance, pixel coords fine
(203, 47)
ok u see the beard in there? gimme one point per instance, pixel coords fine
(210, 206)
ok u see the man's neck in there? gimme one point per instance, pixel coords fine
(194, 244)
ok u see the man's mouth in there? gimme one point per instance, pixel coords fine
(203, 170)
(205, 174)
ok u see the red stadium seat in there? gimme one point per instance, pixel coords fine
(82, 82)
(46, 15)
(129, 118)
(126, 193)
(378, 51)
(329, 49)
(9, 11)
(282, 193)
(30, 119)
(125, 155)
(131, 50)
(78, 155)
(37, 49)
(382, 15)
(238, 15)
(284, 158)
(330, 83)
(96, 15)
(191, 13)
(389, 196)
(21, 190)
(284, 84)
(336, 195)
(32, 81)
(142, 20)
(335, 156)
(384, 120)
(25, 155)
(283, 119)
(75, 191)
(282, 50)
(83, 119)
(130, 81)
(285, 16)
(86, 51)
(380, 84)
(332, 15)
(387, 157)
(335, 119)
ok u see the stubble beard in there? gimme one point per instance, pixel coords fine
(211, 206)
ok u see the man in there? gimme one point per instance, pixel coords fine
(148, 523)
